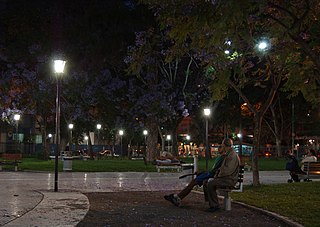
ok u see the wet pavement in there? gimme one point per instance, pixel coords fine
(28, 198)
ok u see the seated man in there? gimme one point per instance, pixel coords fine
(200, 179)
(226, 176)
(293, 167)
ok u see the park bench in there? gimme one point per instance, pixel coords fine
(10, 159)
(171, 166)
(312, 170)
(178, 166)
(168, 163)
(237, 188)
(245, 161)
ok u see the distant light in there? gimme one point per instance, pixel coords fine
(239, 135)
(145, 132)
(59, 66)
(228, 42)
(70, 126)
(262, 45)
(86, 138)
(168, 137)
(227, 52)
(121, 132)
(206, 111)
(50, 135)
(99, 126)
(16, 117)
(188, 137)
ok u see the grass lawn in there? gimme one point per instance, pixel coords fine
(298, 201)
(124, 165)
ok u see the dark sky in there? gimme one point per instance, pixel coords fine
(97, 30)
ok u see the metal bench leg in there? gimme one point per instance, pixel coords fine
(227, 201)
(16, 168)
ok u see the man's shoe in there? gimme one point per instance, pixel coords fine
(212, 209)
(174, 199)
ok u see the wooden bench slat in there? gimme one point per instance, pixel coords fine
(312, 170)
(11, 159)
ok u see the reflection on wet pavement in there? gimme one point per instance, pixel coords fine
(20, 191)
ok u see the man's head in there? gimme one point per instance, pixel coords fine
(227, 142)
(225, 146)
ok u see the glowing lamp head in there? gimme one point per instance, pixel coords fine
(59, 66)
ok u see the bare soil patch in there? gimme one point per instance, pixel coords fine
(151, 209)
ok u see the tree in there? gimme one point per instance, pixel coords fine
(165, 90)
(93, 41)
(208, 27)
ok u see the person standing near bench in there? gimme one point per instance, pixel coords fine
(200, 179)
(225, 177)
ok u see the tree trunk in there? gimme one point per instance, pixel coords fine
(152, 139)
(277, 129)
(256, 149)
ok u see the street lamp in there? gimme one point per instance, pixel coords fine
(188, 146)
(145, 133)
(98, 128)
(207, 113)
(58, 68)
(70, 143)
(239, 135)
(17, 117)
(86, 138)
(121, 134)
(263, 45)
(168, 138)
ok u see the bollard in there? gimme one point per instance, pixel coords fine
(195, 163)
(227, 202)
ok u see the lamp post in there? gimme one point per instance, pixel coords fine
(239, 135)
(121, 134)
(168, 138)
(70, 143)
(58, 68)
(145, 133)
(188, 146)
(98, 128)
(86, 138)
(207, 113)
(17, 117)
(50, 142)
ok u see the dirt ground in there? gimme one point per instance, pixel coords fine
(151, 209)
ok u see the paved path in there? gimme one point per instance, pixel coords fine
(27, 198)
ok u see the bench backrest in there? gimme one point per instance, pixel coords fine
(239, 186)
(311, 168)
(8, 156)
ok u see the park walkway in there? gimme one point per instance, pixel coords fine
(27, 198)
